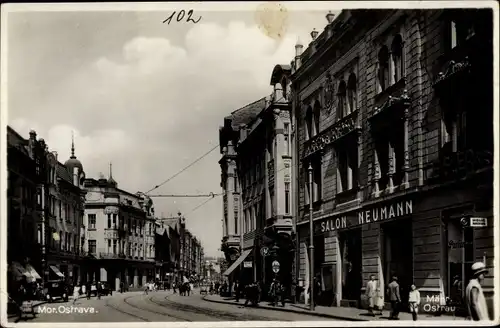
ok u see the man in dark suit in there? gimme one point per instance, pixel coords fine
(394, 297)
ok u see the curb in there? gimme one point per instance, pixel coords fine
(324, 315)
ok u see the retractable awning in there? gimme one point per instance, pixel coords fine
(237, 262)
(33, 272)
(56, 271)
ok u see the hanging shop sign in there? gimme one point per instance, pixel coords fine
(276, 266)
(247, 264)
(365, 216)
(478, 222)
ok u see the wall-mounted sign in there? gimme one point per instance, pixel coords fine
(110, 210)
(264, 251)
(363, 216)
(478, 222)
(247, 264)
(276, 266)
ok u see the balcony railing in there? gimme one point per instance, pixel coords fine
(340, 129)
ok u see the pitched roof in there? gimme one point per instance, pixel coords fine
(63, 173)
(246, 114)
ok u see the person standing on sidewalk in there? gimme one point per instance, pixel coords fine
(371, 287)
(414, 301)
(395, 298)
(474, 296)
(237, 290)
(76, 293)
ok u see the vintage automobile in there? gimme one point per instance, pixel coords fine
(54, 289)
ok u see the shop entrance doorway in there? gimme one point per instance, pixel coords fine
(351, 263)
(397, 255)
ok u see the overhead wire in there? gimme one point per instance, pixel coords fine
(184, 169)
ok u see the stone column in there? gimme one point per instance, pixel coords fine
(117, 280)
(392, 168)
(376, 173)
(406, 164)
(279, 165)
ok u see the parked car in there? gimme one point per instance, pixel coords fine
(54, 289)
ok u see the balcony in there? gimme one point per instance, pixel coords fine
(103, 255)
(392, 109)
(334, 133)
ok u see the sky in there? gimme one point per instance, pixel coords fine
(146, 96)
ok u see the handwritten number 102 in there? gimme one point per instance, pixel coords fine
(180, 16)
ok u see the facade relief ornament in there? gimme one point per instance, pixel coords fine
(328, 93)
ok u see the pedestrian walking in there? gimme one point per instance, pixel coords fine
(414, 301)
(146, 288)
(99, 290)
(90, 286)
(474, 296)
(371, 294)
(237, 290)
(76, 293)
(395, 298)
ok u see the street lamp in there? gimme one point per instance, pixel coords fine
(311, 246)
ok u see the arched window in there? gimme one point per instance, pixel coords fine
(342, 97)
(316, 118)
(383, 69)
(397, 57)
(309, 125)
(284, 86)
(352, 93)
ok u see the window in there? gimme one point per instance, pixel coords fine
(92, 246)
(287, 197)
(235, 182)
(286, 127)
(459, 32)
(390, 156)
(383, 69)
(245, 222)
(309, 124)
(39, 234)
(129, 225)
(342, 108)
(316, 118)
(115, 251)
(114, 221)
(109, 246)
(397, 58)
(347, 168)
(92, 221)
(272, 201)
(352, 93)
(60, 209)
(61, 240)
(39, 197)
(75, 243)
(235, 222)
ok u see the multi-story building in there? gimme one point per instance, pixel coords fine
(263, 180)
(24, 253)
(120, 240)
(388, 104)
(65, 199)
(229, 134)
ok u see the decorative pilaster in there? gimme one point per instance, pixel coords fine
(406, 164)
(376, 175)
(392, 169)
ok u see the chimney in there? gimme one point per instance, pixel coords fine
(298, 52)
(330, 17)
(278, 92)
(314, 34)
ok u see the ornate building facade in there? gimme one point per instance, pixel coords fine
(120, 235)
(382, 102)
(257, 175)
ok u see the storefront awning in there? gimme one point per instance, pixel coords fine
(237, 262)
(33, 272)
(56, 271)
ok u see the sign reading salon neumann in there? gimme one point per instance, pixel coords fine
(375, 214)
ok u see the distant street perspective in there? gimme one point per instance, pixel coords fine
(200, 166)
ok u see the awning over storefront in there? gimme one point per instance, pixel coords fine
(237, 262)
(56, 271)
(33, 272)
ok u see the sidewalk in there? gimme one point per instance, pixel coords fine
(339, 313)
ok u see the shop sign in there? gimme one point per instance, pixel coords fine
(375, 214)
(385, 212)
(276, 266)
(247, 264)
(478, 222)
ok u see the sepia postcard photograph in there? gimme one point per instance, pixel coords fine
(231, 164)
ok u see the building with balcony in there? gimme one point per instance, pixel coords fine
(263, 182)
(24, 253)
(120, 236)
(388, 104)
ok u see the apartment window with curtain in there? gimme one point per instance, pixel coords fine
(383, 69)
(114, 221)
(342, 107)
(309, 124)
(316, 118)
(115, 243)
(397, 58)
(109, 246)
(352, 93)
(109, 221)
(236, 223)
